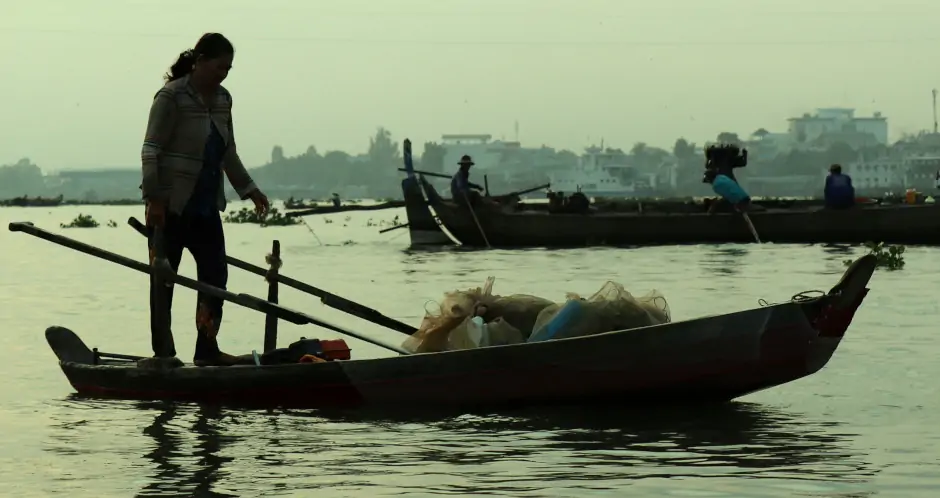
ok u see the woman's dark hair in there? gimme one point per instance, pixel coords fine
(210, 46)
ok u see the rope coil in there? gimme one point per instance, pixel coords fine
(271, 260)
(801, 297)
(274, 264)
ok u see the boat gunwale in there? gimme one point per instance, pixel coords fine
(489, 215)
(550, 344)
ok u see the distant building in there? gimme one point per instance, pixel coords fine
(921, 172)
(834, 120)
(769, 145)
(505, 163)
(883, 174)
(895, 173)
(486, 155)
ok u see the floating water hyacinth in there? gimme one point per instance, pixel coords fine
(81, 221)
(888, 257)
(272, 218)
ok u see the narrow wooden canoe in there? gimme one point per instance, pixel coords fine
(891, 224)
(709, 359)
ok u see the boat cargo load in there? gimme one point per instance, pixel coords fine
(476, 317)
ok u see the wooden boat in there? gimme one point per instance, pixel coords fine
(508, 228)
(709, 359)
(423, 228)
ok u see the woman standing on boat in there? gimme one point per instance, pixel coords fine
(189, 143)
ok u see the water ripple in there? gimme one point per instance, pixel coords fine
(864, 425)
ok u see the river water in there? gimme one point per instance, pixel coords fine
(865, 425)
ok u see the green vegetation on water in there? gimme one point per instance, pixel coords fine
(86, 221)
(81, 221)
(889, 257)
(248, 215)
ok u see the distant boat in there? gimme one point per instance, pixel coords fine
(669, 223)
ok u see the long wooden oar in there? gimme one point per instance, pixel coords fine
(162, 337)
(343, 209)
(246, 300)
(396, 227)
(526, 191)
(427, 173)
(517, 192)
(328, 299)
(750, 226)
(473, 213)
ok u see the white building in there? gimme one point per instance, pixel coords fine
(808, 128)
(921, 171)
(501, 161)
(894, 174)
(883, 173)
(486, 155)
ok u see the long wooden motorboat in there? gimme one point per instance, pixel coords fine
(489, 226)
(709, 359)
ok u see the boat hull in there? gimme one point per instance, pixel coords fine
(709, 359)
(705, 360)
(893, 224)
(422, 227)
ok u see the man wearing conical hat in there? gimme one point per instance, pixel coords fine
(461, 189)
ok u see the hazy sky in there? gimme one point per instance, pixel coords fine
(79, 76)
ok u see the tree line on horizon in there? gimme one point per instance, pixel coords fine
(378, 167)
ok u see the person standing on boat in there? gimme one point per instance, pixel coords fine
(461, 189)
(839, 192)
(719, 172)
(188, 144)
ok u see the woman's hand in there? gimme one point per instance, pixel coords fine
(155, 213)
(262, 205)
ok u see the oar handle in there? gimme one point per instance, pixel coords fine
(427, 173)
(328, 299)
(245, 300)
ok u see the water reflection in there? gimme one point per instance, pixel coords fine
(507, 452)
(835, 256)
(172, 478)
(838, 252)
(723, 260)
(742, 438)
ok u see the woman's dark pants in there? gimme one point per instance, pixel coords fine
(202, 235)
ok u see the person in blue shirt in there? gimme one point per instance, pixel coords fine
(839, 192)
(729, 190)
(720, 161)
(461, 189)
